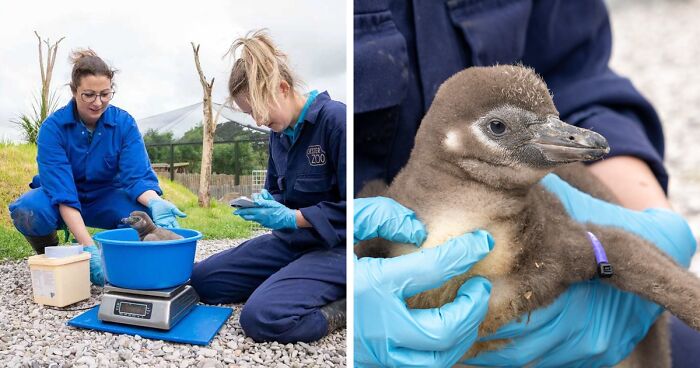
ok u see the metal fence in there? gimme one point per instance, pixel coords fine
(245, 179)
(222, 186)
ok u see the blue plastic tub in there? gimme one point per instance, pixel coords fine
(130, 263)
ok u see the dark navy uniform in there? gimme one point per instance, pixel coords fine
(404, 50)
(100, 173)
(288, 275)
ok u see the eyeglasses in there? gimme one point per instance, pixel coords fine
(90, 97)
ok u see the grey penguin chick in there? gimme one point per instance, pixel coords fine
(489, 137)
(148, 231)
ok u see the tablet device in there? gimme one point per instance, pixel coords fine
(242, 202)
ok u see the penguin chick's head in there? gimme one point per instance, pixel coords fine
(138, 220)
(499, 125)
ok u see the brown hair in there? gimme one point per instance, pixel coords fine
(86, 62)
(258, 72)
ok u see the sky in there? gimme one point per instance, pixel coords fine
(149, 43)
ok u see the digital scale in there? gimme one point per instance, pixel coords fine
(161, 309)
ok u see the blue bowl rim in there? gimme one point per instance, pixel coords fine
(197, 236)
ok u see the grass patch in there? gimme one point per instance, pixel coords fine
(215, 222)
(13, 245)
(18, 166)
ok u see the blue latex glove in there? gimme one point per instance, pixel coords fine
(385, 218)
(164, 213)
(592, 324)
(269, 213)
(97, 276)
(390, 334)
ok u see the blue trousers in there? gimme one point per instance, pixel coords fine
(685, 345)
(33, 214)
(284, 286)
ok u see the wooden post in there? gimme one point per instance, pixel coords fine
(209, 127)
(237, 162)
(172, 162)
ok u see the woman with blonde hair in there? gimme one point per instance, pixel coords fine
(93, 168)
(293, 279)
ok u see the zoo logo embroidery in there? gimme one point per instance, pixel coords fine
(316, 155)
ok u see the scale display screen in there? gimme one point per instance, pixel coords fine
(131, 309)
(138, 309)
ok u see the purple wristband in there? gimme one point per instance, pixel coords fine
(604, 268)
(598, 249)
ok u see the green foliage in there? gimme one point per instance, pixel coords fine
(30, 128)
(230, 158)
(158, 153)
(30, 124)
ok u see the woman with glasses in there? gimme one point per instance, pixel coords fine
(93, 168)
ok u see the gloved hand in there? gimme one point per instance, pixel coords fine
(97, 276)
(385, 218)
(269, 213)
(164, 213)
(592, 324)
(389, 334)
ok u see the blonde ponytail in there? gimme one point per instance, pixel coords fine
(258, 72)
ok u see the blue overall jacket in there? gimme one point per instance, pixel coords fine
(75, 168)
(309, 174)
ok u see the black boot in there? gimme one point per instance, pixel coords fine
(335, 314)
(41, 242)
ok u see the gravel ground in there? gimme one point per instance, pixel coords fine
(656, 45)
(35, 336)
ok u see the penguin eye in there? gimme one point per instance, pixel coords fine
(497, 127)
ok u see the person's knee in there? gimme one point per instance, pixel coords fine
(31, 218)
(211, 286)
(257, 322)
(200, 282)
(263, 321)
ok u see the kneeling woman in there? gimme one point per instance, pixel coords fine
(294, 278)
(93, 168)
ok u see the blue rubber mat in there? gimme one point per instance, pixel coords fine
(198, 327)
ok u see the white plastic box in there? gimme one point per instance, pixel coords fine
(60, 281)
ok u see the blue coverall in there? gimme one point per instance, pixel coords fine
(100, 176)
(288, 275)
(404, 50)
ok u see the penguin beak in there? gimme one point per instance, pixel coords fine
(129, 220)
(560, 142)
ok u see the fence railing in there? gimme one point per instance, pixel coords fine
(172, 145)
(222, 186)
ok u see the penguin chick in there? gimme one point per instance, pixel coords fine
(148, 231)
(489, 137)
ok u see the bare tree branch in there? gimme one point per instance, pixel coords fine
(209, 127)
(43, 107)
(52, 60)
(41, 59)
